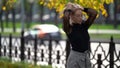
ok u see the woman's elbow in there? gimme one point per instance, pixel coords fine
(95, 13)
(92, 12)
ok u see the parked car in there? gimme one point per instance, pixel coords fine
(43, 31)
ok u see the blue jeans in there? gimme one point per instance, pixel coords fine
(78, 60)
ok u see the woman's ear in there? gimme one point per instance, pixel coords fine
(84, 17)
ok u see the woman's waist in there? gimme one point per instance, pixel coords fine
(80, 49)
(80, 53)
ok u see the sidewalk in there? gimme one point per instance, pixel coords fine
(91, 31)
(101, 31)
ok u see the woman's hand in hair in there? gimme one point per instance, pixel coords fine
(79, 6)
(69, 6)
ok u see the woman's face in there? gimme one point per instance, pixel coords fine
(77, 16)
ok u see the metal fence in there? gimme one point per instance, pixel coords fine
(50, 52)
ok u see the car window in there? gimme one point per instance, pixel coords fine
(36, 29)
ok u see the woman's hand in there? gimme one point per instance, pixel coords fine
(79, 6)
(70, 6)
(73, 6)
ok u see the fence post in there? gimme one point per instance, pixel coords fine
(111, 52)
(22, 56)
(99, 61)
(50, 51)
(29, 53)
(35, 50)
(16, 51)
(58, 57)
(42, 55)
(67, 49)
(10, 46)
(0, 45)
(5, 50)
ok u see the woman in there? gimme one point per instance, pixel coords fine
(76, 30)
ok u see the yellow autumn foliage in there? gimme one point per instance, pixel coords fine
(58, 5)
(10, 3)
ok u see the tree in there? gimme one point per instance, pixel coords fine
(6, 7)
(10, 4)
(58, 5)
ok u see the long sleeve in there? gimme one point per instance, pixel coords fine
(92, 15)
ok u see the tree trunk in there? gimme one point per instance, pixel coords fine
(41, 13)
(2, 27)
(13, 20)
(6, 16)
(115, 12)
(29, 15)
(55, 19)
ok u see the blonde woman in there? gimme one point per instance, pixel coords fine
(76, 30)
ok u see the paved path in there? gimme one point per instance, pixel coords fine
(102, 31)
(105, 31)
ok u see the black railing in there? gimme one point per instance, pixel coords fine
(42, 51)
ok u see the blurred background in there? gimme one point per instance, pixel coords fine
(22, 20)
(18, 15)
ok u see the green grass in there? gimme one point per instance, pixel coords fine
(104, 26)
(6, 63)
(105, 36)
(94, 26)
(8, 33)
(100, 26)
(17, 25)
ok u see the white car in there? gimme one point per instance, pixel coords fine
(43, 31)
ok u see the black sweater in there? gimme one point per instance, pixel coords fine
(79, 37)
